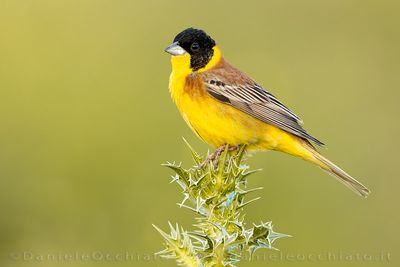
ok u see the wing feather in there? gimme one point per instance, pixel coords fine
(249, 97)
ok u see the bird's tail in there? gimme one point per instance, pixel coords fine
(336, 172)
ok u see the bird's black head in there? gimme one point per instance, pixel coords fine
(195, 42)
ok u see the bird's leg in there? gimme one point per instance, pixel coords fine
(234, 148)
(213, 156)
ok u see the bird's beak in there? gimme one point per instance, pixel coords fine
(175, 49)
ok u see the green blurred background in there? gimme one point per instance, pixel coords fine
(86, 120)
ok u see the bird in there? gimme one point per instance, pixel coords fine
(225, 107)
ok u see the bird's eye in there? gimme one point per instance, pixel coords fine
(195, 47)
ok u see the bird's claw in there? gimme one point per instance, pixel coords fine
(215, 155)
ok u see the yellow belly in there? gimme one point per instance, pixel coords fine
(218, 123)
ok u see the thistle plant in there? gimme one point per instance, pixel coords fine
(217, 193)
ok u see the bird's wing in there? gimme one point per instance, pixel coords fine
(232, 87)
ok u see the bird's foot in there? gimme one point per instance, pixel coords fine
(234, 148)
(215, 155)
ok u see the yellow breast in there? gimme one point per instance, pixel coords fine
(213, 121)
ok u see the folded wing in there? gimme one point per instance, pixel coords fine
(249, 97)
